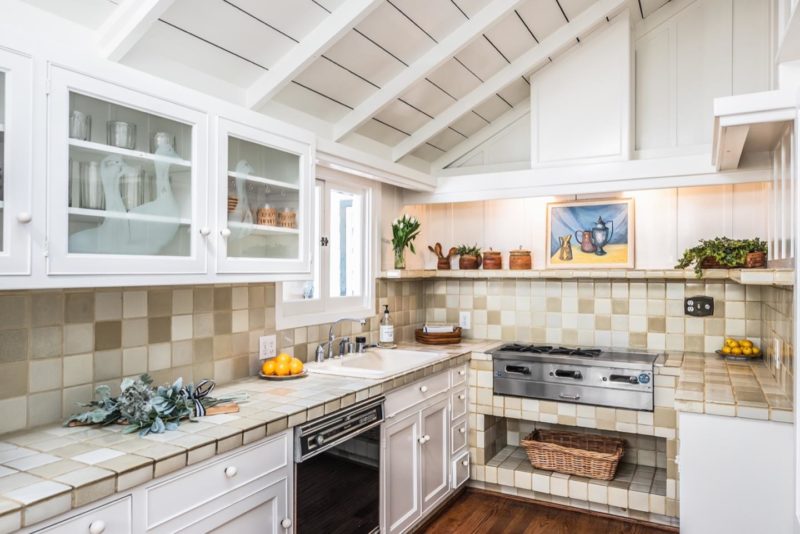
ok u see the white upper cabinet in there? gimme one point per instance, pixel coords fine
(16, 213)
(263, 201)
(126, 181)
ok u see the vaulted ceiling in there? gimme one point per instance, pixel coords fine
(418, 76)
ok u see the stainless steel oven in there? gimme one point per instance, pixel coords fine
(337, 471)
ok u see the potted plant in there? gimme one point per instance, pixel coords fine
(724, 253)
(469, 256)
(404, 232)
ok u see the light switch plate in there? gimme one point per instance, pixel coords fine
(464, 320)
(267, 347)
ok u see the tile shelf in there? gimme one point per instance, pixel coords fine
(783, 277)
(91, 148)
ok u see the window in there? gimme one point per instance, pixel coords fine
(344, 259)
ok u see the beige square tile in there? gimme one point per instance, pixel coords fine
(44, 408)
(203, 350)
(14, 412)
(47, 309)
(159, 302)
(159, 356)
(181, 327)
(78, 369)
(13, 379)
(72, 396)
(79, 307)
(78, 338)
(44, 375)
(107, 305)
(182, 353)
(203, 325)
(107, 364)
(182, 301)
(240, 321)
(203, 299)
(134, 304)
(46, 342)
(239, 298)
(13, 311)
(134, 332)
(256, 297)
(159, 329)
(13, 345)
(223, 297)
(108, 335)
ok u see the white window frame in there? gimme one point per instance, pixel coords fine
(327, 309)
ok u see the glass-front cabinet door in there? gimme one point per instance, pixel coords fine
(263, 201)
(127, 181)
(15, 163)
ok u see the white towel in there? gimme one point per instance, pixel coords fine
(438, 329)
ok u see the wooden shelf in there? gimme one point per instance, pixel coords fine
(784, 277)
(93, 149)
(89, 215)
(264, 229)
(265, 181)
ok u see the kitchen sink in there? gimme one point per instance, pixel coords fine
(375, 363)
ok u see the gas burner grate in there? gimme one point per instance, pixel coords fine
(546, 349)
(586, 353)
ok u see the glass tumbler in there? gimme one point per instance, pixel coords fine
(80, 125)
(121, 134)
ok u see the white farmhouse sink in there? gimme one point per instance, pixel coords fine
(375, 363)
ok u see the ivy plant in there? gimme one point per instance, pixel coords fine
(727, 252)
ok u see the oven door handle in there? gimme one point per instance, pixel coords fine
(562, 373)
(518, 369)
(569, 397)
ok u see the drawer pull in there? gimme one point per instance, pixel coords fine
(231, 471)
(97, 527)
(423, 389)
(286, 523)
(465, 463)
(462, 397)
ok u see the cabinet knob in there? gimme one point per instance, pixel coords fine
(465, 463)
(424, 439)
(462, 397)
(286, 523)
(97, 527)
(205, 231)
(462, 430)
(462, 372)
(423, 389)
(231, 471)
(225, 232)
(24, 217)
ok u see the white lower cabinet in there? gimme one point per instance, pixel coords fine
(420, 446)
(249, 490)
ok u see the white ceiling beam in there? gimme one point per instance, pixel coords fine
(127, 24)
(325, 35)
(553, 44)
(430, 61)
(481, 136)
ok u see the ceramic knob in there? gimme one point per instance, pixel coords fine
(465, 462)
(462, 430)
(231, 471)
(462, 372)
(225, 232)
(423, 389)
(24, 217)
(286, 523)
(462, 397)
(97, 527)
(205, 231)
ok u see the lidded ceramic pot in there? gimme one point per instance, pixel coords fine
(520, 260)
(492, 260)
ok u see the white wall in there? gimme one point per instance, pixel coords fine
(667, 222)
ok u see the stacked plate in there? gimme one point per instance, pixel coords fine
(232, 203)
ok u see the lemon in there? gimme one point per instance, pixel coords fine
(726, 350)
(283, 358)
(282, 369)
(295, 366)
(746, 343)
(736, 351)
(729, 341)
(747, 351)
(268, 367)
(756, 351)
(734, 344)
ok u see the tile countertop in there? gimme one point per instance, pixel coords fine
(47, 471)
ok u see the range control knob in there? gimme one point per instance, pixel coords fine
(320, 440)
(633, 380)
(644, 378)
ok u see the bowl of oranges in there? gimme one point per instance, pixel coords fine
(739, 349)
(282, 367)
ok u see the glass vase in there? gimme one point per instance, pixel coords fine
(400, 259)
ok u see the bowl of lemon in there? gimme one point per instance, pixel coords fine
(282, 367)
(739, 349)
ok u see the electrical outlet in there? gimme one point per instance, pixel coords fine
(267, 347)
(698, 306)
(464, 320)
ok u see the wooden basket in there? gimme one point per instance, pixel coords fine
(753, 260)
(287, 219)
(586, 455)
(268, 216)
(445, 338)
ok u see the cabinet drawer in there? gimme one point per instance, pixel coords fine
(458, 435)
(425, 389)
(200, 487)
(114, 516)
(458, 375)
(458, 403)
(460, 470)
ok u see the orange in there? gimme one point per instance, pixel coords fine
(283, 358)
(268, 367)
(282, 369)
(295, 366)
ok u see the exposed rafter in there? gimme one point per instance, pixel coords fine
(426, 64)
(481, 136)
(325, 35)
(127, 24)
(559, 40)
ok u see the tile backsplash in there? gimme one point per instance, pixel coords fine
(57, 346)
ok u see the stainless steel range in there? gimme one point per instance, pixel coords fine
(600, 377)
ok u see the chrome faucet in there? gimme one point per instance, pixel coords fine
(322, 353)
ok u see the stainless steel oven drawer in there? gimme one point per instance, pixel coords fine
(615, 398)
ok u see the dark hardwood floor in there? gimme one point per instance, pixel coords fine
(477, 512)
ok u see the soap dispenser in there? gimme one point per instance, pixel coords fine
(386, 336)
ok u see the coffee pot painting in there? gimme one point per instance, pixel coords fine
(603, 232)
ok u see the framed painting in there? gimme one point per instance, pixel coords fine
(590, 234)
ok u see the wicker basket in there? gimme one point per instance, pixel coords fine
(585, 455)
(268, 216)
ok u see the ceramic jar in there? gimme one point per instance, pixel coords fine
(492, 260)
(520, 260)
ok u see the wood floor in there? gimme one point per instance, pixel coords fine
(487, 513)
